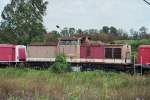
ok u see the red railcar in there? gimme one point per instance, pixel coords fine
(7, 52)
(143, 55)
(12, 53)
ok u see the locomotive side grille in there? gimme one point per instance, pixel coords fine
(117, 53)
(88, 52)
(113, 53)
(108, 53)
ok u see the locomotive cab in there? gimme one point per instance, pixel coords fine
(70, 46)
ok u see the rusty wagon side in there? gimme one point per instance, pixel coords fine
(44, 52)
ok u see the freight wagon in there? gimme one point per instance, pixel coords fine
(12, 54)
(143, 57)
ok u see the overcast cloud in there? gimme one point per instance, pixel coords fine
(87, 14)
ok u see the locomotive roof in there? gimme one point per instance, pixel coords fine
(7, 45)
(104, 44)
(116, 44)
(144, 46)
(44, 43)
(69, 38)
(94, 43)
(75, 37)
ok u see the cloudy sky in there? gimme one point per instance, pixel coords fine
(87, 14)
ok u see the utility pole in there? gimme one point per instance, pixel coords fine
(134, 65)
(58, 27)
(141, 66)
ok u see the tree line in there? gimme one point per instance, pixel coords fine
(105, 34)
(22, 23)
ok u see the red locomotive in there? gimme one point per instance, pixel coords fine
(81, 51)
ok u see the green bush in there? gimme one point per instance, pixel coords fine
(60, 65)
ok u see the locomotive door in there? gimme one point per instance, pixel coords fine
(61, 49)
(88, 51)
(22, 55)
(71, 51)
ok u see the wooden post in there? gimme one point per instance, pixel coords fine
(134, 66)
(141, 67)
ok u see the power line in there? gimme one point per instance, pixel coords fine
(146, 2)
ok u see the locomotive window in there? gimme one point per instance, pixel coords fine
(117, 53)
(62, 43)
(68, 42)
(108, 53)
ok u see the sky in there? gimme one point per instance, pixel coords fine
(88, 14)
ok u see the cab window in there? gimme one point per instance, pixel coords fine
(68, 42)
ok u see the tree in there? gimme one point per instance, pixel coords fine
(134, 34)
(54, 32)
(24, 19)
(65, 31)
(113, 30)
(143, 32)
(79, 31)
(93, 31)
(105, 29)
(72, 30)
(52, 36)
(86, 32)
(122, 34)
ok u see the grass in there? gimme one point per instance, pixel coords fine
(27, 84)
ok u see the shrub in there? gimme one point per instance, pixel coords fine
(60, 65)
